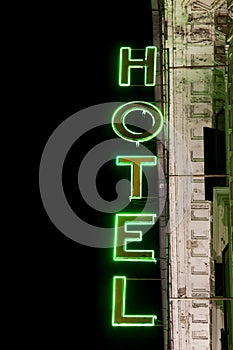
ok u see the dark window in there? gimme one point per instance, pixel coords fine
(214, 160)
(218, 267)
(223, 340)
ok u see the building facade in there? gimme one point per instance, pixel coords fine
(197, 45)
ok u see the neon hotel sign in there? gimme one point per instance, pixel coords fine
(123, 234)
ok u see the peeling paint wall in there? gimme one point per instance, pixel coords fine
(196, 34)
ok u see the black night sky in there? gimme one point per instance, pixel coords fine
(77, 49)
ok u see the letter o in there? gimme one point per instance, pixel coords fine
(118, 121)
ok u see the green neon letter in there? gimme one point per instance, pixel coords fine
(120, 128)
(119, 318)
(124, 236)
(127, 63)
(136, 163)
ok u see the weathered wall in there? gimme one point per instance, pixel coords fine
(195, 53)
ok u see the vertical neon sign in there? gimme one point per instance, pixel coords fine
(124, 235)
